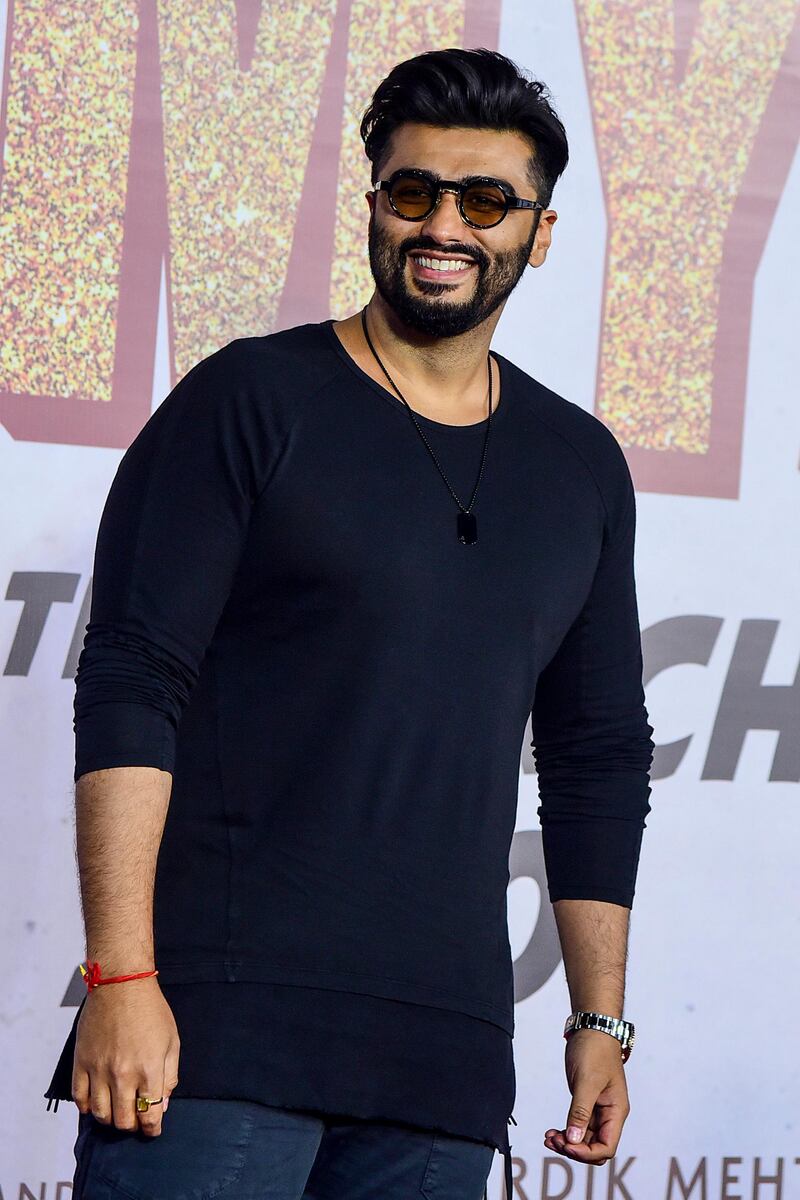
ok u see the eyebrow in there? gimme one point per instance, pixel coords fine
(435, 175)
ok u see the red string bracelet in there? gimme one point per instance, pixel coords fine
(92, 977)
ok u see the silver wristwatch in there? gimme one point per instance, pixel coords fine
(622, 1030)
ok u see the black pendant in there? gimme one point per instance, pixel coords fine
(467, 528)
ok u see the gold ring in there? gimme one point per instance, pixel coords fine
(143, 1103)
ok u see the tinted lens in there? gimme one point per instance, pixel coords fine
(412, 197)
(484, 204)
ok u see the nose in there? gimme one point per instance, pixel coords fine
(445, 224)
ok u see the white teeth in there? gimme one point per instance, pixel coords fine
(443, 264)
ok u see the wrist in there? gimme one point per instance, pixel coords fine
(94, 976)
(606, 1023)
(119, 961)
(611, 1006)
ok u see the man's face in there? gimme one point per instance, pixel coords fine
(497, 256)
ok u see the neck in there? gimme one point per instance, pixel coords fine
(448, 367)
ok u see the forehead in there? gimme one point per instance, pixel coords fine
(456, 152)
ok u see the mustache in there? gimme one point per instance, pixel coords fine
(422, 244)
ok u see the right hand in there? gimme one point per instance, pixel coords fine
(126, 1042)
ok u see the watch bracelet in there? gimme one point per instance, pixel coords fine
(617, 1027)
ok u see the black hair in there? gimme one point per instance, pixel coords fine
(481, 89)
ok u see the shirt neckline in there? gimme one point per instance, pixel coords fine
(498, 414)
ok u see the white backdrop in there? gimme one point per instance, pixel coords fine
(713, 967)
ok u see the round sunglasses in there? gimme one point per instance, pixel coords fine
(482, 201)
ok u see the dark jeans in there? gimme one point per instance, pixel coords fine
(238, 1150)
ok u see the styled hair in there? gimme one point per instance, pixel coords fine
(481, 89)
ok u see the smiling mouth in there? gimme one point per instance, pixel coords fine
(428, 267)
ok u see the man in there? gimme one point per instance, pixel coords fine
(325, 603)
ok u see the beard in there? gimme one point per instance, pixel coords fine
(496, 279)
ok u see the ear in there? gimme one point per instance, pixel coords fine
(370, 198)
(544, 236)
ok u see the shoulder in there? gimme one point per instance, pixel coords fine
(582, 435)
(251, 382)
(295, 360)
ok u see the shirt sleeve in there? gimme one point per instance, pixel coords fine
(592, 743)
(168, 546)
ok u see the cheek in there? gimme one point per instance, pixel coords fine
(502, 248)
(509, 255)
(389, 233)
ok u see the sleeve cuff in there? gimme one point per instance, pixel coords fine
(123, 734)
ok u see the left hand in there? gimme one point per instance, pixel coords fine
(600, 1106)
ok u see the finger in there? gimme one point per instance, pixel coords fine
(580, 1112)
(593, 1150)
(100, 1101)
(558, 1139)
(171, 1071)
(604, 1131)
(566, 1150)
(150, 1121)
(594, 1157)
(80, 1089)
(123, 1100)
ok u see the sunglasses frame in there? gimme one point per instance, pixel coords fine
(458, 187)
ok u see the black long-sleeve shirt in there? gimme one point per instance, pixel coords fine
(284, 618)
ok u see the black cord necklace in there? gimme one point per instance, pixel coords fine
(466, 524)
